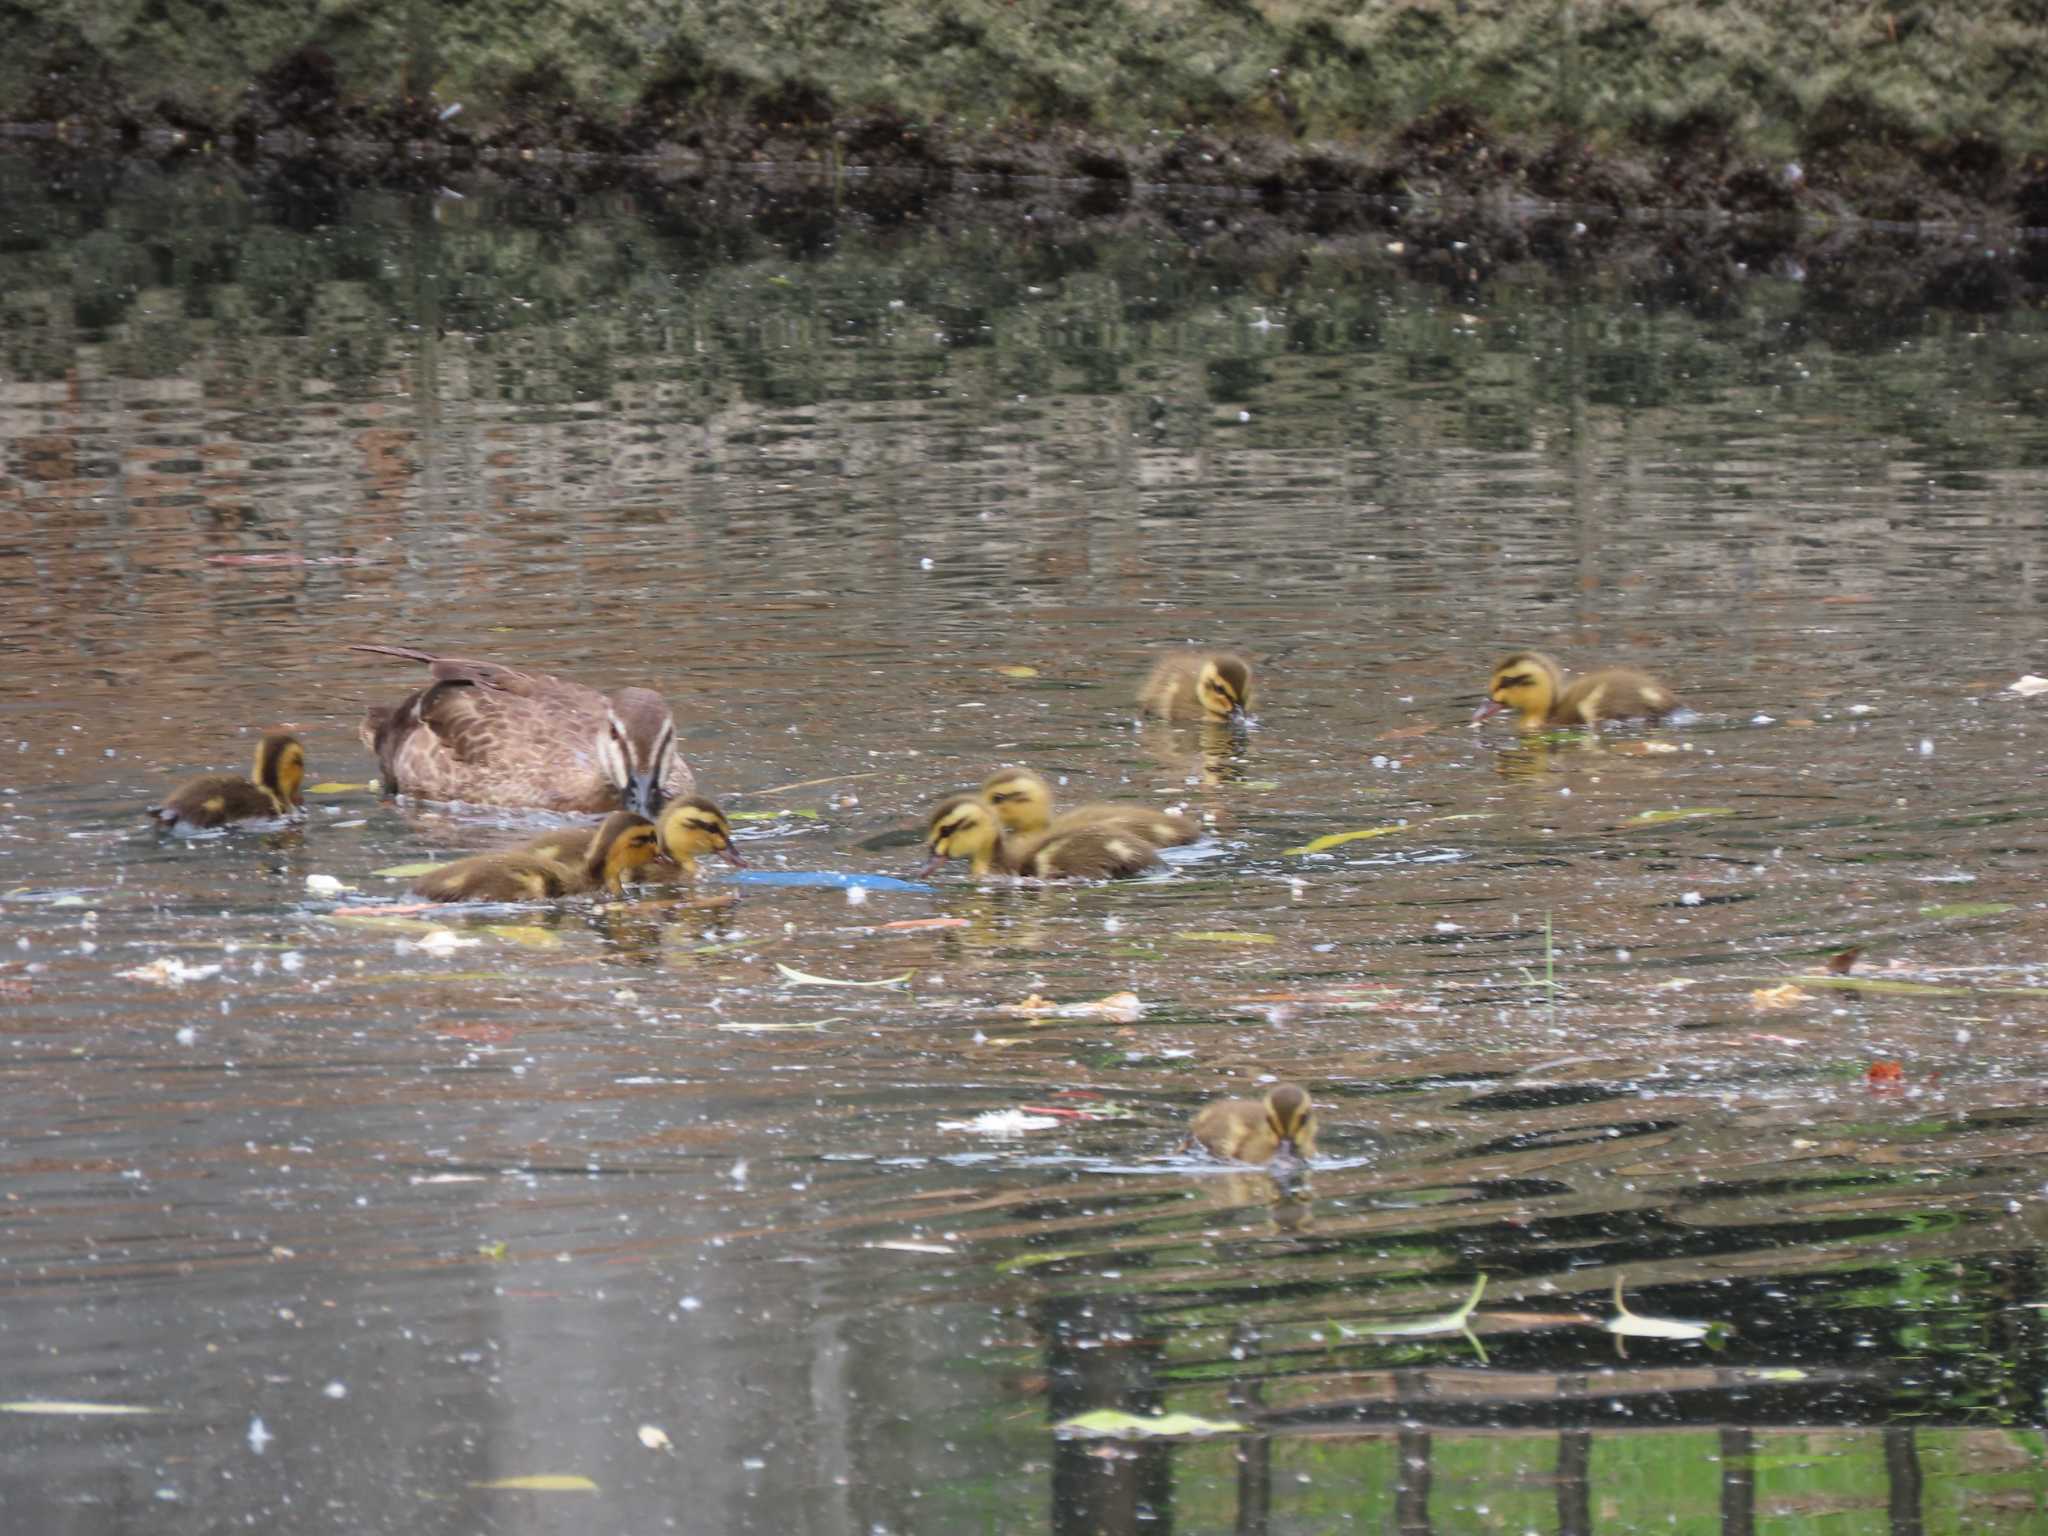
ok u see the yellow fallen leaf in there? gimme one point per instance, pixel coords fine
(1338, 839)
(1114, 1423)
(73, 1410)
(1018, 671)
(528, 934)
(1124, 1007)
(655, 1438)
(542, 1482)
(1226, 936)
(793, 977)
(408, 871)
(1683, 813)
(1786, 996)
(1633, 1325)
(336, 787)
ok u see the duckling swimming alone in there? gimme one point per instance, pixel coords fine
(1253, 1130)
(1533, 685)
(624, 843)
(219, 799)
(1198, 685)
(967, 827)
(493, 735)
(1023, 801)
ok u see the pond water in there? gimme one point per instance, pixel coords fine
(357, 1234)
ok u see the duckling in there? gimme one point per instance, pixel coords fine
(696, 826)
(1253, 1130)
(1023, 800)
(1198, 685)
(218, 799)
(687, 828)
(1533, 685)
(496, 736)
(624, 843)
(967, 827)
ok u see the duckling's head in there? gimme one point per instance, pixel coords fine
(1528, 682)
(281, 766)
(963, 827)
(1291, 1119)
(1225, 687)
(636, 746)
(695, 826)
(624, 843)
(1023, 800)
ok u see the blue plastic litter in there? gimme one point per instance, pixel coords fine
(830, 879)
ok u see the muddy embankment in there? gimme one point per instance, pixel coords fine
(1775, 108)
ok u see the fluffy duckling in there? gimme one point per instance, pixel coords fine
(624, 843)
(218, 799)
(967, 827)
(690, 828)
(687, 829)
(1198, 685)
(1023, 801)
(494, 735)
(1253, 1130)
(1533, 685)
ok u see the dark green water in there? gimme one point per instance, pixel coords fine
(355, 1228)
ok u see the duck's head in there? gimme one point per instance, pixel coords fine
(1528, 683)
(1022, 799)
(1292, 1119)
(963, 827)
(1225, 687)
(692, 827)
(281, 767)
(625, 842)
(636, 746)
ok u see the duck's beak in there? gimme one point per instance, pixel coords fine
(929, 867)
(732, 855)
(1237, 719)
(643, 793)
(1487, 710)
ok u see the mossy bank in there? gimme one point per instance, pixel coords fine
(1753, 106)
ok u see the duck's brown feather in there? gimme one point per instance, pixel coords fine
(496, 877)
(494, 735)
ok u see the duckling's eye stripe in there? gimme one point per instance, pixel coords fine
(1519, 680)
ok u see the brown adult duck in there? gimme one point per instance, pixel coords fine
(1024, 802)
(493, 735)
(1534, 687)
(626, 842)
(221, 799)
(967, 827)
(1253, 1130)
(1198, 685)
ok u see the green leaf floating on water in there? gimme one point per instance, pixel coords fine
(409, 871)
(1682, 813)
(1114, 1423)
(1225, 936)
(542, 1482)
(1633, 1325)
(1338, 839)
(792, 977)
(1458, 1321)
(1968, 909)
(334, 787)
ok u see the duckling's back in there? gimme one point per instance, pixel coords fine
(494, 877)
(1614, 693)
(1236, 1128)
(1087, 853)
(215, 800)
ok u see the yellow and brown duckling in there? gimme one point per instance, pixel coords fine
(492, 735)
(1198, 685)
(1254, 1130)
(626, 842)
(1534, 687)
(967, 827)
(1023, 801)
(687, 829)
(221, 799)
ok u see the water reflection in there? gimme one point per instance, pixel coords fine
(438, 1217)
